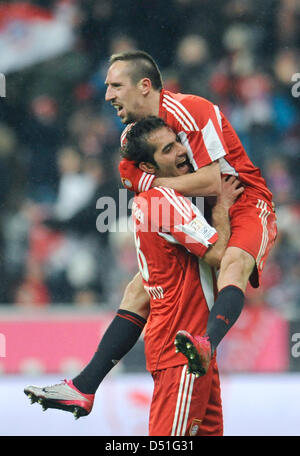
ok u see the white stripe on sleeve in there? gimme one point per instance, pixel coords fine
(212, 141)
(141, 181)
(180, 108)
(184, 140)
(177, 117)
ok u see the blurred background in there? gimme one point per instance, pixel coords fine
(61, 278)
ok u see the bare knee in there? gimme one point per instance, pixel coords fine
(236, 268)
(135, 298)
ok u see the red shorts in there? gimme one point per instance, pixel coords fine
(253, 229)
(185, 405)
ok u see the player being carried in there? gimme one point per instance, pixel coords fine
(135, 89)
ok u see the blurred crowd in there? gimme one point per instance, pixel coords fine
(59, 140)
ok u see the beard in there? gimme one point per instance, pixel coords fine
(135, 115)
(130, 118)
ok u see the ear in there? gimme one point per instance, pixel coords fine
(147, 167)
(145, 85)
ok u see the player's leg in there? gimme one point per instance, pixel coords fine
(180, 401)
(253, 226)
(121, 335)
(77, 395)
(236, 268)
(212, 423)
(135, 298)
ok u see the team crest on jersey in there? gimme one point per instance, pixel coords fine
(195, 426)
(126, 182)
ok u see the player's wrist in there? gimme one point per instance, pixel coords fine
(223, 204)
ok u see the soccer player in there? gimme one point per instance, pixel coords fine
(135, 89)
(176, 250)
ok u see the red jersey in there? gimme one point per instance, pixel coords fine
(171, 236)
(208, 136)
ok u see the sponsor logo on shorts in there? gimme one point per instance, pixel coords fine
(195, 426)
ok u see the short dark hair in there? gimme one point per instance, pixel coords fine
(143, 66)
(137, 148)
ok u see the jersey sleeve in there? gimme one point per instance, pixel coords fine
(179, 221)
(131, 176)
(198, 123)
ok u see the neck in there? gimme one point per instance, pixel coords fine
(153, 103)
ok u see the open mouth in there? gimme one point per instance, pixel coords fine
(184, 166)
(118, 107)
(183, 163)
